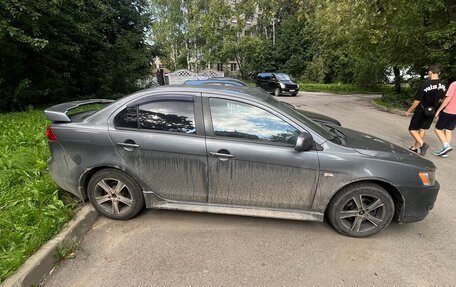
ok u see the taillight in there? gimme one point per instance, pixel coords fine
(50, 134)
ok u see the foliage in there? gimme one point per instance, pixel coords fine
(53, 51)
(32, 208)
(341, 88)
(348, 41)
(67, 250)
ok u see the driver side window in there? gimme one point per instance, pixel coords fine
(244, 121)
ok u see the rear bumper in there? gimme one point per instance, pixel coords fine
(60, 169)
(418, 202)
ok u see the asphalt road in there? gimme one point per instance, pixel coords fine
(169, 248)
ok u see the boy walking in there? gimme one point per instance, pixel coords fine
(447, 121)
(426, 100)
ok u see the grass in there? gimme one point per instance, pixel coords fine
(67, 250)
(32, 208)
(340, 88)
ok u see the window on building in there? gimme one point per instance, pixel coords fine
(220, 67)
(233, 67)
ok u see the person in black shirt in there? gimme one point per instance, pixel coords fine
(429, 95)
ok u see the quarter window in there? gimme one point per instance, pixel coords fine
(239, 120)
(128, 118)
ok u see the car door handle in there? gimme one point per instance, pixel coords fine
(128, 145)
(224, 155)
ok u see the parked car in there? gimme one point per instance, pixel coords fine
(233, 150)
(323, 119)
(277, 84)
(217, 81)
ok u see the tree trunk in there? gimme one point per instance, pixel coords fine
(397, 79)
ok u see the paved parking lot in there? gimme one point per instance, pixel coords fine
(169, 248)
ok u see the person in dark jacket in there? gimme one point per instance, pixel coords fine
(427, 99)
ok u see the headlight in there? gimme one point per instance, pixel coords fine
(282, 85)
(427, 178)
(297, 85)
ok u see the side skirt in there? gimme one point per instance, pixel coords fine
(156, 202)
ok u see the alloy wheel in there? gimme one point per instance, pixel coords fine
(113, 196)
(362, 213)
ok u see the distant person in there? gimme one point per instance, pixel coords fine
(447, 121)
(160, 77)
(431, 91)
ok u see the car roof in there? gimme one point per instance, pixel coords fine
(215, 81)
(244, 92)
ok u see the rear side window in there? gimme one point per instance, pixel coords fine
(168, 116)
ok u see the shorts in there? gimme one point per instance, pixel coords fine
(446, 121)
(420, 121)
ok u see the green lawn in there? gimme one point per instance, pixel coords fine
(340, 88)
(32, 208)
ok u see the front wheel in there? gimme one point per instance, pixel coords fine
(277, 92)
(361, 210)
(115, 194)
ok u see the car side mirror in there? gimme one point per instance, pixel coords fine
(304, 142)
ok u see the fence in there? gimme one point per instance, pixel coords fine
(180, 76)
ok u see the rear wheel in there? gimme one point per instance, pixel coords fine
(361, 210)
(115, 194)
(277, 92)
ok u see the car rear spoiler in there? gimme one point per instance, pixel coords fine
(58, 113)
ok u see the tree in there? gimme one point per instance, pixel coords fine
(58, 50)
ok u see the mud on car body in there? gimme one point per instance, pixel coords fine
(234, 150)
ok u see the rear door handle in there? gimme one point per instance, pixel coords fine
(223, 155)
(128, 145)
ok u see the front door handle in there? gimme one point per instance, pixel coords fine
(222, 154)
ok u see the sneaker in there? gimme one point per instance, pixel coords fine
(446, 150)
(443, 151)
(413, 149)
(424, 149)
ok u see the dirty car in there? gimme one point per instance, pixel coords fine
(233, 151)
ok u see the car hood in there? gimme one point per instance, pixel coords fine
(319, 117)
(373, 146)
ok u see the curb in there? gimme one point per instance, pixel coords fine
(37, 266)
(385, 109)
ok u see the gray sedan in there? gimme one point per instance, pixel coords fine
(233, 151)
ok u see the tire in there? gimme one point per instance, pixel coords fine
(116, 204)
(277, 92)
(361, 210)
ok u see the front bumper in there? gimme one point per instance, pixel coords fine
(288, 91)
(418, 201)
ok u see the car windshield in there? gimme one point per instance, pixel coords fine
(319, 129)
(283, 77)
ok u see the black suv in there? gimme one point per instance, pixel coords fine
(277, 84)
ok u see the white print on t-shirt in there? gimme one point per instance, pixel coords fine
(435, 87)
